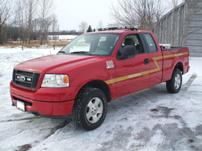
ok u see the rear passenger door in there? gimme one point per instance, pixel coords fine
(153, 59)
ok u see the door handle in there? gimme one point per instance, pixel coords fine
(146, 61)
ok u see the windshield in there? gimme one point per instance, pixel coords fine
(92, 44)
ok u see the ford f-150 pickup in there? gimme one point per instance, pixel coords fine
(94, 69)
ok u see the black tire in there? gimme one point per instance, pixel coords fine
(171, 85)
(81, 107)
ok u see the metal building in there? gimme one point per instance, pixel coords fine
(182, 26)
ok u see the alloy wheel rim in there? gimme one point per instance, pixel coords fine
(94, 110)
(177, 81)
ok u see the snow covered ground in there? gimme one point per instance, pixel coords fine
(152, 120)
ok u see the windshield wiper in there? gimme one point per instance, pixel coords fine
(80, 52)
(61, 52)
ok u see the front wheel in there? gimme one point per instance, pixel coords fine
(90, 109)
(175, 84)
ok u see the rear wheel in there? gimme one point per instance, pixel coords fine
(90, 109)
(175, 84)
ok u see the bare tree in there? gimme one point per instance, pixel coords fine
(19, 13)
(30, 14)
(55, 25)
(83, 26)
(140, 13)
(159, 10)
(26, 20)
(54, 28)
(19, 19)
(45, 17)
(4, 16)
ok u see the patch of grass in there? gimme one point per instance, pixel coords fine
(36, 43)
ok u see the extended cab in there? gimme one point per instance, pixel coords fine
(94, 69)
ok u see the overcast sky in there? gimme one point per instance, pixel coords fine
(70, 13)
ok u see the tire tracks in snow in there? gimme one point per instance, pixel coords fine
(171, 131)
(27, 147)
(18, 120)
(189, 82)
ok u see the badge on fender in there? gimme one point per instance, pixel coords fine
(110, 64)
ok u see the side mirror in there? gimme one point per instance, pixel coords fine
(127, 52)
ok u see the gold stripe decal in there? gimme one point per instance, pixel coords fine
(145, 73)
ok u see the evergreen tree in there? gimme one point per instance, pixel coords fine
(89, 29)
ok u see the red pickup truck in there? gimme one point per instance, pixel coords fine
(94, 69)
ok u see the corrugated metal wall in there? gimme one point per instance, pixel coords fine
(182, 26)
(170, 29)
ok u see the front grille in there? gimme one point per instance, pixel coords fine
(25, 79)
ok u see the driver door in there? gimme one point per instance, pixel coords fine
(127, 76)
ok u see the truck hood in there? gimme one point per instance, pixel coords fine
(46, 63)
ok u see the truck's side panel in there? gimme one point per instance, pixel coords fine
(155, 64)
(173, 57)
(129, 74)
(136, 73)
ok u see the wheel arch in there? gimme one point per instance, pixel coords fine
(179, 66)
(97, 84)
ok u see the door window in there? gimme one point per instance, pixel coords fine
(133, 40)
(150, 43)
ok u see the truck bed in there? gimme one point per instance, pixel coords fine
(171, 58)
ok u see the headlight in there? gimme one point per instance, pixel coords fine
(55, 81)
